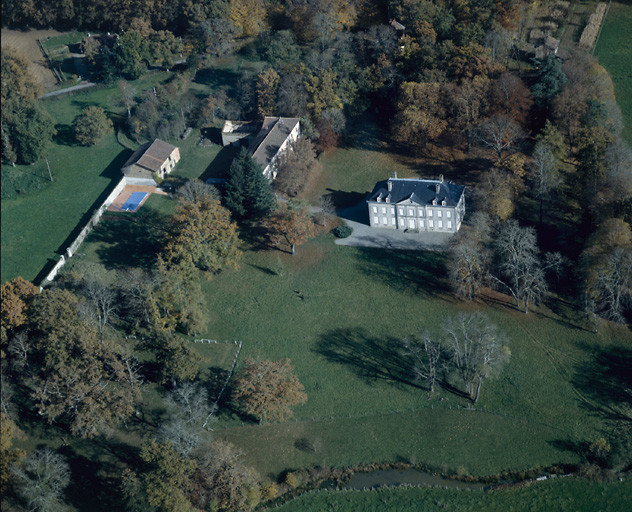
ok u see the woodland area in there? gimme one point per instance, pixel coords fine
(549, 218)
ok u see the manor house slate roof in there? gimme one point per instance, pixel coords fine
(273, 133)
(419, 191)
(151, 155)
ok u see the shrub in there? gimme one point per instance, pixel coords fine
(343, 231)
(292, 480)
(269, 492)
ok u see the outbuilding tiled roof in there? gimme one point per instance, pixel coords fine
(419, 191)
(273, 133)
(151, 155)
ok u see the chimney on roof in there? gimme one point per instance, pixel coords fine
(441, 178)
(395, 175)
(390, 185)
(438, 188)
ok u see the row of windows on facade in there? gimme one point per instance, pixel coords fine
(387, 199)
(411, 211)
(411, 223)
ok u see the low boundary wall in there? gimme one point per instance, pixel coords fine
(94, 220)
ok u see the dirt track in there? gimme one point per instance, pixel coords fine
(26, 43)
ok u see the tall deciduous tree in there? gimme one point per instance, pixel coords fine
(292, 226)
(203, 236)
(9, 456)
(41, 480)
(520, 267)
(268, 389)
(79, 379)
(498, 133)
(16, 295)
(545, 174)
(267, 88)
(248, 15)
(296, 165)
(420, 115)
(248, 193)
(91, 125)
(425, 355)
(477, 350)
(470, 258)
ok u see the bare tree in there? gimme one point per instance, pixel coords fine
(188, 407)
(611, 288)
(498, 133)
(425, 355)
(136, 291)
(521, 270)
(101, 303)
(41, 480)
(327, 208)
(476, 348)
(128, 96)
(19, 348)
(545, 173)
(470, 257)
(193, 190)
(618, 160)
(295, 167)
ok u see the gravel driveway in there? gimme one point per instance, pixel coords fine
(366, 236)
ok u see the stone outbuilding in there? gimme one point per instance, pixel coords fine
(157, 158)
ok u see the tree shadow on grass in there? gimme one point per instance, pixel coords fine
(407, 271)
(65, 135)
(606, 380)
(343, 199)
(371, 358)
(217, 78)
(220, 165)
(95, 481)
(129, 240)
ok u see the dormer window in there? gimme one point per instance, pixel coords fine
(379, 198)
(434, 202)
(388, 198)
(443, 203)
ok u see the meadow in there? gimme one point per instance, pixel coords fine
(561, 495)
(615, 54)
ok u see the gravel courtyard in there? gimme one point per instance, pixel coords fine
(365, 236)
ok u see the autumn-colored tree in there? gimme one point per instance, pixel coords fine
(268, 389)
(420, 113)
(495, 194)
(15, 295)
(203, 236)
(498, 133)
(322, 94)
(510, 97)
(248, 15)
(177, 361)
(79, 379)
(467, 102)
(470, 61)
(8, 454)
(267, 87)
(553, 139)
(290, 225)
(221, 480)
(296, 165)
(91, 125)
(164, 478)
(18, 80)
(569, 106)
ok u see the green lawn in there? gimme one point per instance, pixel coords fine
(337, 313)
(614, 50)
(560, 495)
(39, 217)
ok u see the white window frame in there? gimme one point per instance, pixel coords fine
(375, 209)
(376, 220)
(420, 211)
(431, 223)
(448, 214)
(393, 221)
(411, 212)
(440, 224)
(401, 210)
(384, 209)
(439, 213)
(449, 224)
(429, 213)
(384, 220)
(411, 223)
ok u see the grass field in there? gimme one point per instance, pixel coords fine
(337, 312)
(560, 495)
(26, 43)
(614, 50)
(38, 216)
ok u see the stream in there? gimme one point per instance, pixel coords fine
(395, 477)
